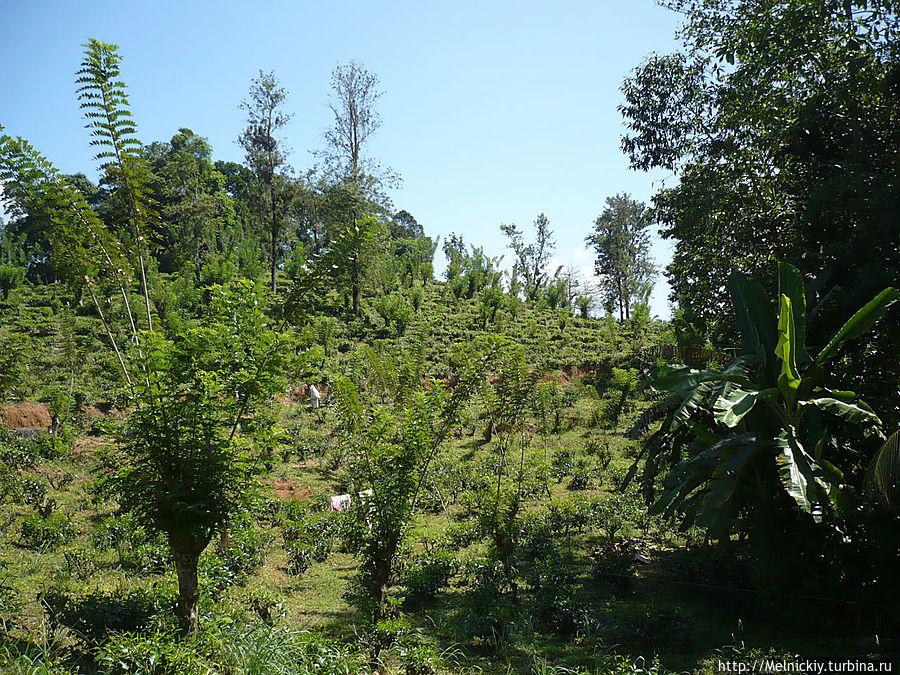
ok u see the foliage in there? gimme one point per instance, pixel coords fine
(13, 361)
(186, 475)
(265, 156)
(766, 430)
(95, 615)
(532, 259)
(773, 117)
(46, 531)
(392, 448)
(11, 277)
(424, 577)
(454, 411)
(105, 105)
(353, 103)
(394, 311)
(622, 244)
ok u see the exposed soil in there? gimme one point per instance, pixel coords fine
(285, 488)
(25, 415)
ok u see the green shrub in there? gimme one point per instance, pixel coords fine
(460, 535)
(300, 558)
(16, 661)
(159, 653)
(581, 477)
(555, 605)
(81, 562)
(613, 567)
(563, 463)
(428, 574)
(118, 532)
(229, 565)
(46, 532)
(266, 604)
(599, 450)
(32, 492)
(137, 549)
(418, 659)
(96, 615)
(394, 311)
(317, 530)
(11, 277)
(152, 557)
(16, 454)
(417, 296)
(612, 513)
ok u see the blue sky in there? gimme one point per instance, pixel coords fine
(493, 112)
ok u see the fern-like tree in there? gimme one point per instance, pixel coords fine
(186, 467)
(83, 250)
(126, 172)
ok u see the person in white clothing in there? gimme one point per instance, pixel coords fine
(314, 396)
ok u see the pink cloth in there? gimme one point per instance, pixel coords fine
(339, 502)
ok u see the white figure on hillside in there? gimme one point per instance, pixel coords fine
(314, 395)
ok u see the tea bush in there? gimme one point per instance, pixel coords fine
(426, 575)
(95, 615)
(300, 558)
(46, 532)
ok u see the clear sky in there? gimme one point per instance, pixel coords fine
(493, 111)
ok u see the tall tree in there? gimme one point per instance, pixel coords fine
(780, 120)
(532, 259)
(266, 155)
(184, 472)
(353, 100)
(621, 242)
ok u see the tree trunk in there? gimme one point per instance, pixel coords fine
(354, 282)
(381, 578)
(354, 263)
(274, 235)
(197, 261)
(620, 293)
(188, 610)
(274, 284)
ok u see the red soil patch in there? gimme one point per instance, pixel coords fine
(566, 375)
(25, 415)
(285, 488)
(301, 391)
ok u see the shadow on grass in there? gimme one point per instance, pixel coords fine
(684, 606)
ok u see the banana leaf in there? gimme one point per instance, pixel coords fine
(860, 323)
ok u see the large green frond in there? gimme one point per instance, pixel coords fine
(883, 476)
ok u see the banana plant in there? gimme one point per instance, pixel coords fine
(741, 438)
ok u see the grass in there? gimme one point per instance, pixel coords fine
(675, 608)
